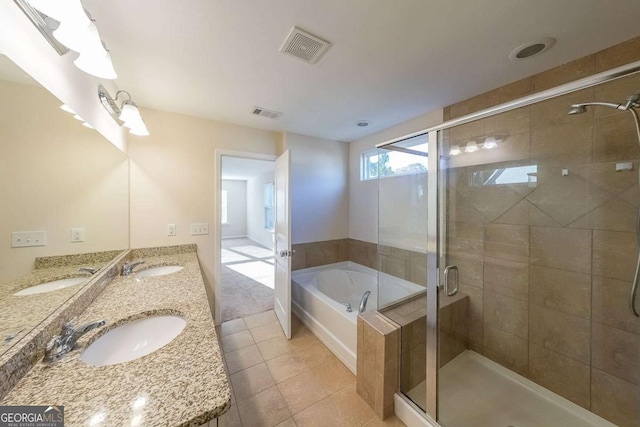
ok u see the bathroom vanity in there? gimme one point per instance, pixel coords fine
(183, 383)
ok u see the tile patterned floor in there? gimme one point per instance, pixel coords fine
(247, 278)
(280, 382)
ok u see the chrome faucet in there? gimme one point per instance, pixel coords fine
(127, 268)
(363, 301)
(62, 344)
(88, 270)
(348, 305)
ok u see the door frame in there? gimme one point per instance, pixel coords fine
(217, 227)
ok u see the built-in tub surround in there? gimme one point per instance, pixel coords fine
(36, 318)
(182, 383)
(323, 295)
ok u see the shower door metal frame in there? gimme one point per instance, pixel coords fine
(436, 210)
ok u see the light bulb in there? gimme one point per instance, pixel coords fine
(455, 150)
(130, 115)
(87, 125)
(489, 143)
(139, 130)
(82, 39)
(77, 117)
(97, 64)
(471, 147)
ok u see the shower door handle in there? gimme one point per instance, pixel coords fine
(447, 273)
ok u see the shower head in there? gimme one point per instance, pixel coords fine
(577, 109)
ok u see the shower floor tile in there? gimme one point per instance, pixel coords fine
(475, 391)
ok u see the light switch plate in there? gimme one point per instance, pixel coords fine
(199, 229)
(24, 239)
(77, 235)
(171, 229)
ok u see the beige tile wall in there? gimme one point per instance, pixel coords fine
(548, 266)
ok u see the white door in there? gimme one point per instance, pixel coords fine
(282, 288)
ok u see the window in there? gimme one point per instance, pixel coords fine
(269, 206)
(224, 215)
(402, 158)
(504, 176)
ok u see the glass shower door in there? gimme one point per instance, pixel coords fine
(538, 213)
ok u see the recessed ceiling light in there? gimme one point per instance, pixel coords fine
(362, 123)
(532, 48)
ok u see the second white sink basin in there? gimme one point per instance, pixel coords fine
(159, 271)
(51, 286)
(133, 340)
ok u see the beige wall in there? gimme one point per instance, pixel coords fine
(56, 174)
(174, 179)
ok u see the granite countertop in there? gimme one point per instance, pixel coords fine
(181, 384)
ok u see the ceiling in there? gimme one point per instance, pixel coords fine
(244, 169)
(389, 60)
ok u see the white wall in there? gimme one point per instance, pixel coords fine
(319, 188)
(363, 195)
(255, 209)
(236, 225)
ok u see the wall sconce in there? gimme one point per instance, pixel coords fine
(127, 113)
(77, 32)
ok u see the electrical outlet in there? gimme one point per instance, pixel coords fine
(77, 235)
(198, 229)
(23, 239)
(171, 229)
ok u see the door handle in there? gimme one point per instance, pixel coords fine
(284, 254)
(447, 273)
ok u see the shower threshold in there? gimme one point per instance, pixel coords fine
(475, 391)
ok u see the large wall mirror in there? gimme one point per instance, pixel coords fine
(56, 175)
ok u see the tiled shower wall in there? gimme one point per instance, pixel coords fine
(548, 265)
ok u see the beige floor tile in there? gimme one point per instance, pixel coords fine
(251, 381)
(265, 409)
(237, 341)
(275, 347)
(287, 423)
(286, 366)
(303, 338)
(392, 421)
(268, 331)
(242, 359)
(301, 391)
(316, 354)
(321, 414)
(333, 375)
(351, 407)
(232, 418)
(261, 319)
(232, 326)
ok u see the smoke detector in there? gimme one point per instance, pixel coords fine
(532, 48)
(304, 46)
(263, 112)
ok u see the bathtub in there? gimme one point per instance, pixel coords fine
(320, 295)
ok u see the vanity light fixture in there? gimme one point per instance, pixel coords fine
(471, 147)
(490, 142)
(455, 150)
(127, 113)
(79, 33)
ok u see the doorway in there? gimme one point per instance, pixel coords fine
(247, 219)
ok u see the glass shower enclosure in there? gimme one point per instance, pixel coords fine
(522, 231)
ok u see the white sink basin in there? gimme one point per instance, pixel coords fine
(133, 340)
(51, 286)
(159, 271)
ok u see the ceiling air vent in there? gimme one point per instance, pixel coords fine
(263, 112)
(304, 46)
